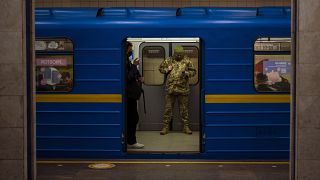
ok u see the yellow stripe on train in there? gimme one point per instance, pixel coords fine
(117, 98)
(247, 98)
(108, 98)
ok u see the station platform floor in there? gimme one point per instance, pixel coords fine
(162, 170)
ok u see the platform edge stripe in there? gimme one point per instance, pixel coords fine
(246, 98)
(113, 98)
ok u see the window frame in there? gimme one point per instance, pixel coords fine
(57, 53)
(164, 53)
(269, 52)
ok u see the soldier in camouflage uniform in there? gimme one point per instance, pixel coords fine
(178, 69)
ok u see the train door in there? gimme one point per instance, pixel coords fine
(152, 52)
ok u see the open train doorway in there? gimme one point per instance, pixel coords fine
(152, 106)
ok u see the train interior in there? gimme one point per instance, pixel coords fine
(151, 52)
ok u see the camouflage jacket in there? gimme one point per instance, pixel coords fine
(177, 80)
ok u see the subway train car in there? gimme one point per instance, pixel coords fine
(239, 105)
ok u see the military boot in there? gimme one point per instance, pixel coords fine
(165, 130)
(186, 129)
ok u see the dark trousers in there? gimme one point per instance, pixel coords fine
(132, 120)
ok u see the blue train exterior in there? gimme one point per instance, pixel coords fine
(90, 129)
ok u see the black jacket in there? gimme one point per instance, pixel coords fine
(134, 86)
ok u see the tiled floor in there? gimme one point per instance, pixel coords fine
(172, 142)
(164, 171)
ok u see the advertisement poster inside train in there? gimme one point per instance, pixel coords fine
(54, 73)
(273, 73)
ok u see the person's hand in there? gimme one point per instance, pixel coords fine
(169, 67)
(136, 61)
(141, 79)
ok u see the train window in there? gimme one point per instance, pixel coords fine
(54, 65)
(54, 45)
(193, 53)
(272, 64)
(152, 56)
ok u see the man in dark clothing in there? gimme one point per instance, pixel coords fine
(134, 83)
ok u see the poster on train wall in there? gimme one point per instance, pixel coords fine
(272, 72)
(54, 73)
(282, 68)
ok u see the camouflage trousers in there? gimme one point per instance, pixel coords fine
(183, 108)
